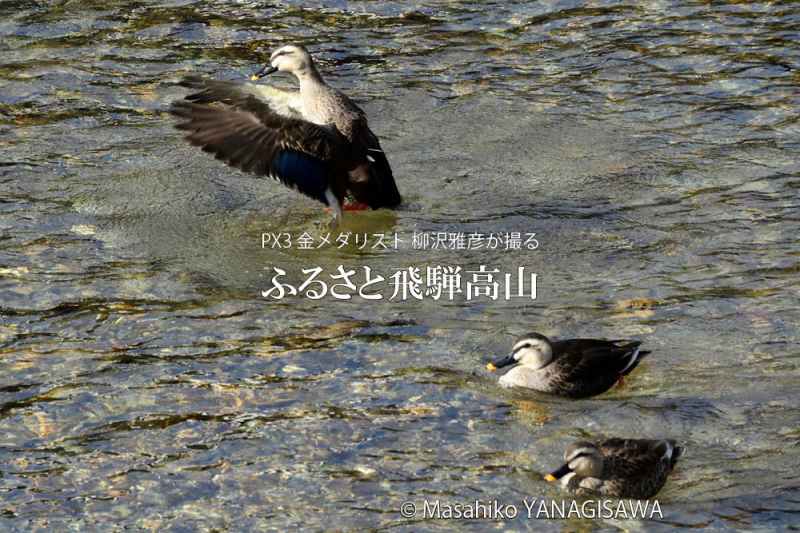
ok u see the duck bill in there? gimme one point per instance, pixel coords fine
(558, 474)
(266, 70)
(500, 363)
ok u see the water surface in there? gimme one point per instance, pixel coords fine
(652, 147)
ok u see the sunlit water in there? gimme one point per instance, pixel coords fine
(652, 147)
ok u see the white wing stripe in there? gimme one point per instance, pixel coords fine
(634, 357)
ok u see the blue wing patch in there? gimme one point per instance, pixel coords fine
(307, 174)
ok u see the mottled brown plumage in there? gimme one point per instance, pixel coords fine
(622, 468)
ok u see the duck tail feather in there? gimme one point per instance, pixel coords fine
(382, 187)
(677, 452)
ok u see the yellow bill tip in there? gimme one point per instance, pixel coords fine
(253, 78)
(490, 367)
(550, 478)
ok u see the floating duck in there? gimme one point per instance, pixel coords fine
(576, 368)
(621, 468)
(315, 140)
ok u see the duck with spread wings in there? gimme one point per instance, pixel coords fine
(315, 140)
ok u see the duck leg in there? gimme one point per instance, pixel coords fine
(335, 205)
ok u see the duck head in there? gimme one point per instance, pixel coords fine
(582, 459)
(532, 350)
(291, 58)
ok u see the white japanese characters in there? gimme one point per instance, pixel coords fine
(440, 282)
(442, 240)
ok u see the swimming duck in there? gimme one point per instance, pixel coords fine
(576, 368)
(315, 140)
(621, 468)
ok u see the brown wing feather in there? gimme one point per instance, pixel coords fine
(589, 358)
(632, 457)
(221, 105)
(240, 135)
(245, 132)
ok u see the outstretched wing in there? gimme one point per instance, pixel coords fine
(285, 103)
(249, 132)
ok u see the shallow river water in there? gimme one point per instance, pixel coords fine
(145, 383)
